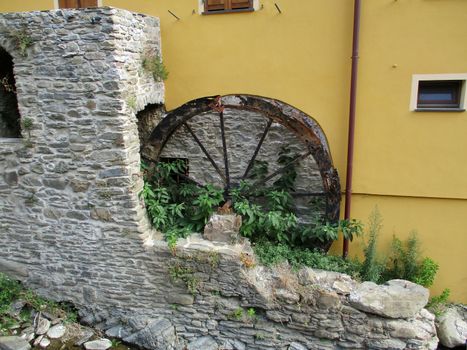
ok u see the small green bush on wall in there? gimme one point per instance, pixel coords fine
(152, 63)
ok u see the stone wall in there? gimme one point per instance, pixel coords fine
(73, 229)
(68, 191)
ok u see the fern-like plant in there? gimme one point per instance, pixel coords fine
(373, 267)
(153, 64)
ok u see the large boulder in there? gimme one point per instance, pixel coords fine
(157, 334)
(14, 343)
(451, 327)
(394, 299)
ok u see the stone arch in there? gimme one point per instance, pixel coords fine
(10, 126)
(303, 127)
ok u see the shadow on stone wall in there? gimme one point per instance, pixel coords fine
(9, 113)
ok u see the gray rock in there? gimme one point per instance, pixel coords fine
(100, 344)
(45, 342)
(223, 228)
(117, 332)
(205, 343)
(452, 328)
(38, 340)
(43, 326)
(158, 334)
(13, 268)
(296, 346)
(56, 331)
(394, 299)
(14, 343)
(181, 299)
(85, 335)
(28, 334)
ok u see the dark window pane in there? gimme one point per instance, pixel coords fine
(439, 94)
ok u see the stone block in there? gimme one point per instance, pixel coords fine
(394, 299)
(452, 327)
(223, 228)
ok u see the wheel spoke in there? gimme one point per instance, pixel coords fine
(224, 146)
(258, 147)
(206, 153)
(308, 194)
(281, 170)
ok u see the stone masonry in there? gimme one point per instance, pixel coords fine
(73, 228)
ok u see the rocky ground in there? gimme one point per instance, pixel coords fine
(45, 330)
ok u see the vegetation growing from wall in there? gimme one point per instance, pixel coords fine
(177, 207)
(271, 254)
(152, 63)
(405, 260)
(11, 291)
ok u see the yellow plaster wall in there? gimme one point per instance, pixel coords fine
(25, 5)
(439, 224)
(399, 152)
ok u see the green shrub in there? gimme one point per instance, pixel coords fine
(9, 291)
(373, 266)
(437, 304)
(406, 262)
(270, 254)
(174, 208)
(153, 64)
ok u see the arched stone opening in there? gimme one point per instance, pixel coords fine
(222, 138)
(10, 126)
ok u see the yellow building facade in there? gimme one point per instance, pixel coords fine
(411, 164)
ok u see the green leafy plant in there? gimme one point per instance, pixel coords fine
(260, 336)
(23, 41)
(372, 266)
(115, 343)
(271, 254)
(176, 208)
(26, 123)
(11, 291)
(236, 314)
(185, 274)
(131, 102)
(406, 262)
(153, 64)
(438, 304)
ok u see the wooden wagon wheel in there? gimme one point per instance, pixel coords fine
(222, 138)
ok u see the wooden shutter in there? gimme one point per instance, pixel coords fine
(74, 4)
(215, 5)
(240, 4)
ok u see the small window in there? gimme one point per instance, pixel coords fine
(438, 92)
(222, 6)
(74, 4)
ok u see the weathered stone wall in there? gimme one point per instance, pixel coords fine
(72, 226)
(68, 192)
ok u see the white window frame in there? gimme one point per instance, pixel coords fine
(99, 4)
(416, 78)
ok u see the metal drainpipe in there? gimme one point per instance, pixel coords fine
(353, 102)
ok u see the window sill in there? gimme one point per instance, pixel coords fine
(227, 11)
(439, 110)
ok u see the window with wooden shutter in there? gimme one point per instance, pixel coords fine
(240, 4)
(216, 6)
(74, 4)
